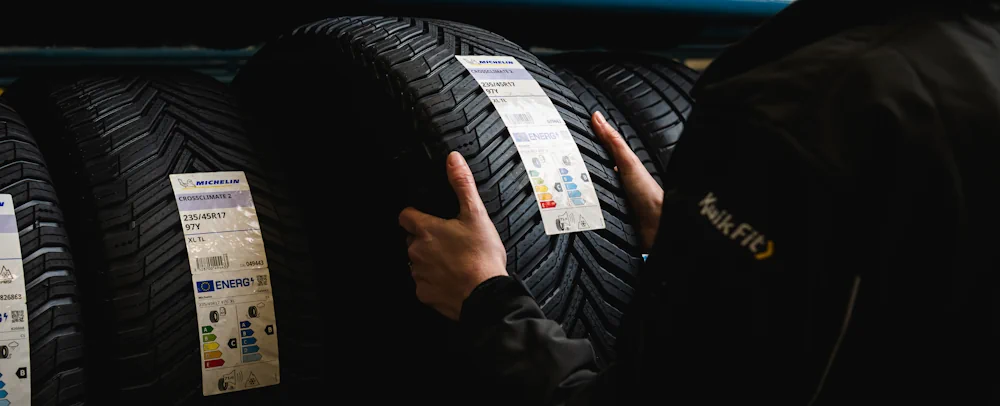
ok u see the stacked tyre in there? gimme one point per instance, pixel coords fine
(338, 126)
(648, 98)
(389, 91)
(55, 325)
(113, 140)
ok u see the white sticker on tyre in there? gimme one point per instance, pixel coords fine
(237, 335)
(562, 185)
(15, 353)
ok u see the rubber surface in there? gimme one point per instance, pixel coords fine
(594, 100)
(383, 100)
(114, 141)
(653, 95)
(54, 321)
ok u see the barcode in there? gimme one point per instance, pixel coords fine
(216, 262)
(17, 316)
(518, 118)
(261, 280)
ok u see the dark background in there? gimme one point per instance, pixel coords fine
(154, 24)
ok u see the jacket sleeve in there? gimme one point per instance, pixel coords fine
(525, 358)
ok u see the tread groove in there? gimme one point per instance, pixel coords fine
(411, 70)
(53, 301)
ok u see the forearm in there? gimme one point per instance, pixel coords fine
(526, 357)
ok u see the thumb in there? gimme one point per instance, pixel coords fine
(461, 179)
(614, 143)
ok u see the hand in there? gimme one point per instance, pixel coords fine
(644, 195)
(449, 258)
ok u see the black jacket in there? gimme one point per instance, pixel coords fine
(829, 230)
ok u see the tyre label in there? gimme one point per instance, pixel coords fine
(558, 174)
(15, 353)
(237, 329)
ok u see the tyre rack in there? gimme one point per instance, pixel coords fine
(717, 23)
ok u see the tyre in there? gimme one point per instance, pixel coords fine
(384, 99)
(115, 139)
(594, 100)
(54, 320)
(652, 94)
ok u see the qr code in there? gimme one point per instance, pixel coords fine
(261, 280)
(17, 316)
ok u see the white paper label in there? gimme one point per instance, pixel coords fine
(565, 194)
(15, 353)
(237, 336)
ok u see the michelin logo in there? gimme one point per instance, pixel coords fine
(217, 182)
(476, 61)
(189, 183)
(214, 285)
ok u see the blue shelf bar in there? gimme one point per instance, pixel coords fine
(739, 8)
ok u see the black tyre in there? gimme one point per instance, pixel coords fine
(115, 140)
(387, 98)
(54, 320)
(652, 94)
(594, 100)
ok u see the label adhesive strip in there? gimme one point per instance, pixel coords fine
(566, 196)
(238, 337)
(15, 353)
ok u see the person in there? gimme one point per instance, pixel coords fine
(826, 235)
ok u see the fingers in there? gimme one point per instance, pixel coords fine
(460, 176)
(415, 221)
(614, 143)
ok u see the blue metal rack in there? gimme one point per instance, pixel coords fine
(727, 21)
(743, 8)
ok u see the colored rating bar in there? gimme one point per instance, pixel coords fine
(251, 357)
(248, 341)
(245, 333)
(213, 354)
(250, 349)
(207, 337)
(215, 363)
(211, 346)
(206, 329)
(4, 402)
(244, 324)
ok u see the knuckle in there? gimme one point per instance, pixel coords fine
(422, 294)
(413, 251)
(465, 180)
(610, 131)
(606, 129)
(478, 210)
